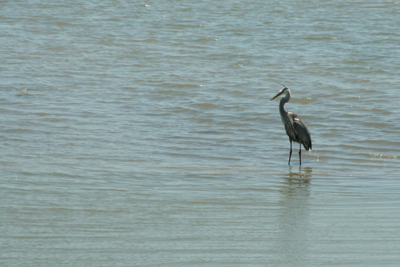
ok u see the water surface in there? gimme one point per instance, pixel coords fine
(142, 133)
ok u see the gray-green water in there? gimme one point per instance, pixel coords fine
(142, 133)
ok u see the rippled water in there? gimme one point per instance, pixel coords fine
(142, 133)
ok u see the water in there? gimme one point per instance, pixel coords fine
(142, 133)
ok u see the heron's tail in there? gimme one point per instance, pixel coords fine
(307, 145)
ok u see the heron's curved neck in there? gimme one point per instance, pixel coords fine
(284, 100)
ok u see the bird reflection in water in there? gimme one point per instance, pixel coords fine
(302, 176)
(295, 228)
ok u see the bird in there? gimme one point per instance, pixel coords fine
(295, 128)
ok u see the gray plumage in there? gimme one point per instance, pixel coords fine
(295, 128)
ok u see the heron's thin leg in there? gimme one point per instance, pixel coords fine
(290, 153)
(300, 154)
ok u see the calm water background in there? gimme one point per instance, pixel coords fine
(141, 133)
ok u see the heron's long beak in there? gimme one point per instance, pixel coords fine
(278, 94)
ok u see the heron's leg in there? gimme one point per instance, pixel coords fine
(300, 154)
(290, 153)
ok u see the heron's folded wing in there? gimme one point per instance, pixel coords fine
(303, 133)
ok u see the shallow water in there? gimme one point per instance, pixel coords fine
(142, 133)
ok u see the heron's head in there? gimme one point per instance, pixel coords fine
(284, 90)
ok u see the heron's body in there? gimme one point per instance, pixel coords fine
(295, 128)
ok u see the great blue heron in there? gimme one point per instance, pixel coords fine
(296, 129)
